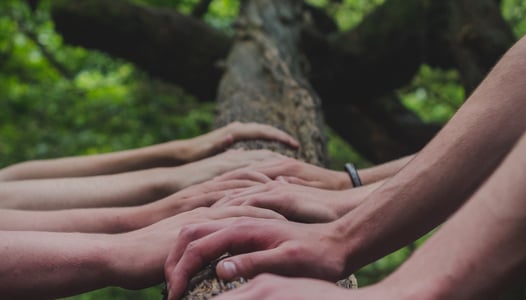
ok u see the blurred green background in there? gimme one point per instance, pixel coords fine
(58, 100)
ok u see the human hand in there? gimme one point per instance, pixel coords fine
(211, 167)
(295, 202)
(200, 195)
(138, 256)
(274, 287)
(219, 139)
(259, 246)
(297, 172)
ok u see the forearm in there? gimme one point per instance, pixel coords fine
(447, 171)
(125, 189)
(372, 174)
(86, 220)
(167, 154)
(42, 265)
(480, 249)
(383, 171)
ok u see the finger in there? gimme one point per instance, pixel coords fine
(245, 211)
(272, 168)
(297, 181)
(199, 244)
(240, 293)
(244, 174)
(251, 264)
(231, 184)
(176, 279)
(263, 131)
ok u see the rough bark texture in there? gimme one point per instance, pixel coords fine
(264, 82)
(264, 79)
(355, 72)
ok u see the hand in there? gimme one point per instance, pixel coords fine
(138, 256)
(219, 139)
(297, 172)
(200, 195)
(295, 202)
(274, 287)
(276, 246)
(211, 167)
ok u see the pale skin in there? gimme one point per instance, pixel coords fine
(432, 186)
(473, 256)
(298, 202)
(63, 264)
(161, 155)
(121, 219)
(301, 173)
(123, 189)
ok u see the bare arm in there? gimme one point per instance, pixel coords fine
(448, 170)
(161, 155)
(62, 264)
(431, 187)
(480, 249)
(301, 173)
(383, 171)
(119, 219)
(124, 189)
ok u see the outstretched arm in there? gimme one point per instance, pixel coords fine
(423, 194)
(301, 173)
(123, 189)
(475, 255)
(448, 170)
(161, 155)
(63, 264)
(119, 219)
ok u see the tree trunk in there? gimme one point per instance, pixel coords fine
(264, 80)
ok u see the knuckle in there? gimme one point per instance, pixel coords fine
(188, 232)
(294, 251)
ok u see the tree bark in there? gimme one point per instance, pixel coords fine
(264, 79)
(356, 72)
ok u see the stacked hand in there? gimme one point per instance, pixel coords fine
(295, 202)
(219, 139)
(297, 172)
(275, 246)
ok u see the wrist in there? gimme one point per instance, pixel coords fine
(342, 180)
(130, 265)
(355, 242)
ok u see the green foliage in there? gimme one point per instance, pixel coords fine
(57, 100)
(83, 102)
(347, 13)
(434, 94)
(515, 13)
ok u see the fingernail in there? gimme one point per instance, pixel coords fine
(230, 269)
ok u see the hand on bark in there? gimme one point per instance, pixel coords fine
(297, 172)
(200, 195)
(140, 255)
(259, 246)
(209, 168)
(219, 139)
(295, 202)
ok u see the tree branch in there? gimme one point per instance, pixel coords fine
(201, 8)
(169, 45)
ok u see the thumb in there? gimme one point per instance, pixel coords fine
(251, 264)
(294, 180)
